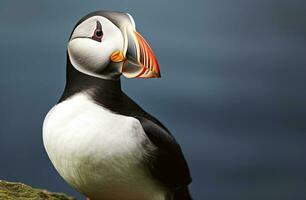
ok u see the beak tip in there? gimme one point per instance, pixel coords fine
(156, 75)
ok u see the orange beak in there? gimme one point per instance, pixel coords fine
(140, 60)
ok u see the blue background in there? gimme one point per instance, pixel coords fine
(232, 89)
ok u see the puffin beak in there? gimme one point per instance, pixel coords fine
(140, 61)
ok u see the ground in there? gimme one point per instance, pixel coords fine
(20, 191)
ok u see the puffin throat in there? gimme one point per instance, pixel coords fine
(105, 92)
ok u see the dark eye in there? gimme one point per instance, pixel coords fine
(98, 34)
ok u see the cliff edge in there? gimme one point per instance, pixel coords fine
(20, 191)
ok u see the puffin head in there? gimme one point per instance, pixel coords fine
(105, 44)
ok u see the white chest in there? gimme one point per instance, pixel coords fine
(98, 152)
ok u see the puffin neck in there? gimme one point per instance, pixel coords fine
(104, 92)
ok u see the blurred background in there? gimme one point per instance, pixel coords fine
(232, 89)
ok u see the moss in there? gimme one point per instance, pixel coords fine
(20, 191)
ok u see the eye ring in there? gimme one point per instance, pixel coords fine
(98, 34)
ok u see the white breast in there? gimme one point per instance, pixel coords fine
(99, 152)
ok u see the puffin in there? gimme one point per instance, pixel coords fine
(99, 140)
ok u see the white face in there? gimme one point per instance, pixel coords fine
(90, 49)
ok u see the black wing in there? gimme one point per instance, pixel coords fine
(167, 163)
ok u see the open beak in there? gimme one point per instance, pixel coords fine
(140, 61)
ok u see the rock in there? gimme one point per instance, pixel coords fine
(20, 191)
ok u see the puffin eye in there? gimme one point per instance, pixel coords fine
(98, 34)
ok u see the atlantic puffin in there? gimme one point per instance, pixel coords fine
(99, 140)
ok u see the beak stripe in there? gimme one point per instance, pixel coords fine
(148, 59)
(142, 72)
(141, 62)
(145, 54)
